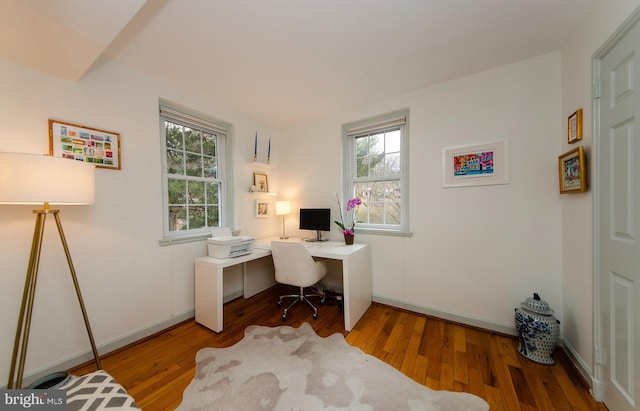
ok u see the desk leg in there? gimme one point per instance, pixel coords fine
(209, 295)
(356, 280)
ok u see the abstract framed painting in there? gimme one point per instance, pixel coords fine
(475, 165)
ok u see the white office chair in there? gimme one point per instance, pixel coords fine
(295, 266)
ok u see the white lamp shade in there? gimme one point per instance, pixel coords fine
(283, 207)
(39, 179)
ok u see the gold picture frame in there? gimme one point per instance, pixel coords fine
(261, 182)
(574, 126)
(572, 171)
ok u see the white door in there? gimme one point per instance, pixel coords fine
(618, 216)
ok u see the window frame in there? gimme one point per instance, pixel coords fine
(192, 119)
(350, 132)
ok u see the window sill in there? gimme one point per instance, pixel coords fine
(184, 239)
(380, 231)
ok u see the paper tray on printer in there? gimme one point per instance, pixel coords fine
(224, 240)
(228, 240)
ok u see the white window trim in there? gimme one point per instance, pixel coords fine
(227, 208)
(349, 167)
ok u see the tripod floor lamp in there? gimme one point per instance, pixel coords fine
(43, 180)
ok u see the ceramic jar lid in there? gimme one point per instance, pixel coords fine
(537, 305)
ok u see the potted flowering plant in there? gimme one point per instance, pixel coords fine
(348, 225)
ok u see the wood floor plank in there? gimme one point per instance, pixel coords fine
(461, 369)
(476, 386)
(494, 397)
(435, 353)
(509, 350)
(521, 385)
(411, 353)
(569, 389)
(540, 395)
(503, 376)
(460, 339)
(420, 369)
(446, 377)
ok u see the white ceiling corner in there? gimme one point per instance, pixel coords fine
(61, 37)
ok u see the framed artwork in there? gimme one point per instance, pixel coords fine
(475, 165)
(574, 127)
(262, 209)
(91, 145)
(572, 171)
(261, 183)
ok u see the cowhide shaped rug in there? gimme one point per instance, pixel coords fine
(285, 368)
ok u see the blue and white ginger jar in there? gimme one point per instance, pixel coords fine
(538, 330)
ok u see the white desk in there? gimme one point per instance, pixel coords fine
(356, 279)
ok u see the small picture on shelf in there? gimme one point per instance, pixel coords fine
(260, 181)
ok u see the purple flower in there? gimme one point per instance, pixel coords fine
(348, 225)
(353, 203)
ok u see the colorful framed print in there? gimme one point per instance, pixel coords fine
(572, 171)
(474, 165)
(91, 145)
(574, 126)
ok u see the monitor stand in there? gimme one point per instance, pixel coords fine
(318, 237)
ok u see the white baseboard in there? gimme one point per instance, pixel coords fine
(106, 347)
(509, 329)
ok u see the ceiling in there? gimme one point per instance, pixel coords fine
(285, 62)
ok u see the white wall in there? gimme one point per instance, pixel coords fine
(476, 252)
(129, 282)
(577, 210)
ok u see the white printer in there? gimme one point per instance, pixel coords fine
(223, 244)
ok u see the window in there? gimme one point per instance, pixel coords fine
(375, 162)
(193, 173)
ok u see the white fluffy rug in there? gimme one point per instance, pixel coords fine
(284, 368)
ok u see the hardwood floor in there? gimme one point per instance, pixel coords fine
(435, 353)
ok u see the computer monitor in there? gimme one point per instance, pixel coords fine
(316, 219)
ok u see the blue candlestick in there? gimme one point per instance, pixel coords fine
(255, 148)
(269, 152)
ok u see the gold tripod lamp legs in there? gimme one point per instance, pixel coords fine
(26, 309)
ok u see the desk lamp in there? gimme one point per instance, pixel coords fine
(31, 179)
(283, 208)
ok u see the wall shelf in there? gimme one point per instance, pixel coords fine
(262, 166)
(268, 193)
(268, 171)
